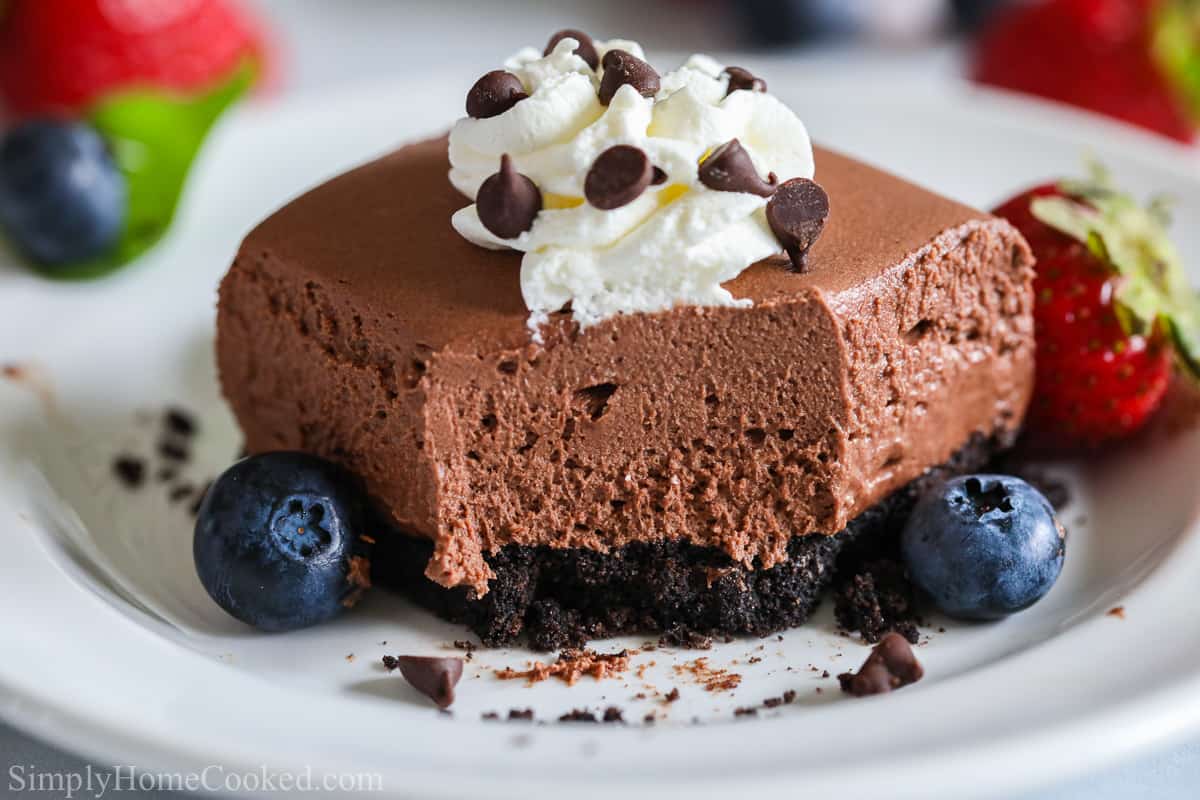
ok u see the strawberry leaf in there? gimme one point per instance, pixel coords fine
(1175, 44)
(154, 136)
(1153, 290)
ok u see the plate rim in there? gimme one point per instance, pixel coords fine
(65, 727)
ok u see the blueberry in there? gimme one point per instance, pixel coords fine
(983, 546)
(280, 540)
(62, 197)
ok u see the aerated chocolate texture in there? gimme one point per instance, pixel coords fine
(357, 324)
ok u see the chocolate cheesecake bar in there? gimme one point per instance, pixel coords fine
(357, 325)
(697, 465)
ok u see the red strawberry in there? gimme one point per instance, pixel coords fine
(60, 56)
(1095, 54)
(1107, 320)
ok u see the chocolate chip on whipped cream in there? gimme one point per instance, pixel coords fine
(623, 68)
(618, 177)
(743, 79)
(730, 169)
(585, 49)
(508, 202)
(797, 213)
(493, 94)
(677, 241)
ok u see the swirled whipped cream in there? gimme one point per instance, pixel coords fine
(679, 239)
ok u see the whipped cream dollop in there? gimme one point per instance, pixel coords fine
(679, 240)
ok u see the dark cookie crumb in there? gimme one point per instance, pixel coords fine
(745, 711)
(650, 718)
(390, 663)
(490, 715)
(578, 715)
(876, 599)
(173, 450)
(614, 714)
(786, 698)
(180, 422)
(180, 492)
(130, 470)
(521, 714)
(685, 638)
(671, 696)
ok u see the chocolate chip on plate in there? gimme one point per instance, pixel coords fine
(891, 665)
(586, 49)
(797, 213)
(618, 177)
(729, 169)
(740, 79)
(659, 177)
(622, 67)
(508, 202)
(432, 676)
(493, 94)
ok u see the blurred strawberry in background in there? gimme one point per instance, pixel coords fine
(108, 103)
(1135, 60)
(60, 56)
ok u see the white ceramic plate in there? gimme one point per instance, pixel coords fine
(111, 648)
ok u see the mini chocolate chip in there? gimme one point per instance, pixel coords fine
(797, 213)
(493, 94)
(432, 676)
(659, 177)
(729, 169)
(508, 202)
(890, 666)
(743, 79)
(586, 49)
(620, 68)
(618, 177)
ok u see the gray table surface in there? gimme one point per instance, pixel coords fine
(332, 43)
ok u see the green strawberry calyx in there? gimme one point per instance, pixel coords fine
(1175, 46)
(1153, 290)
